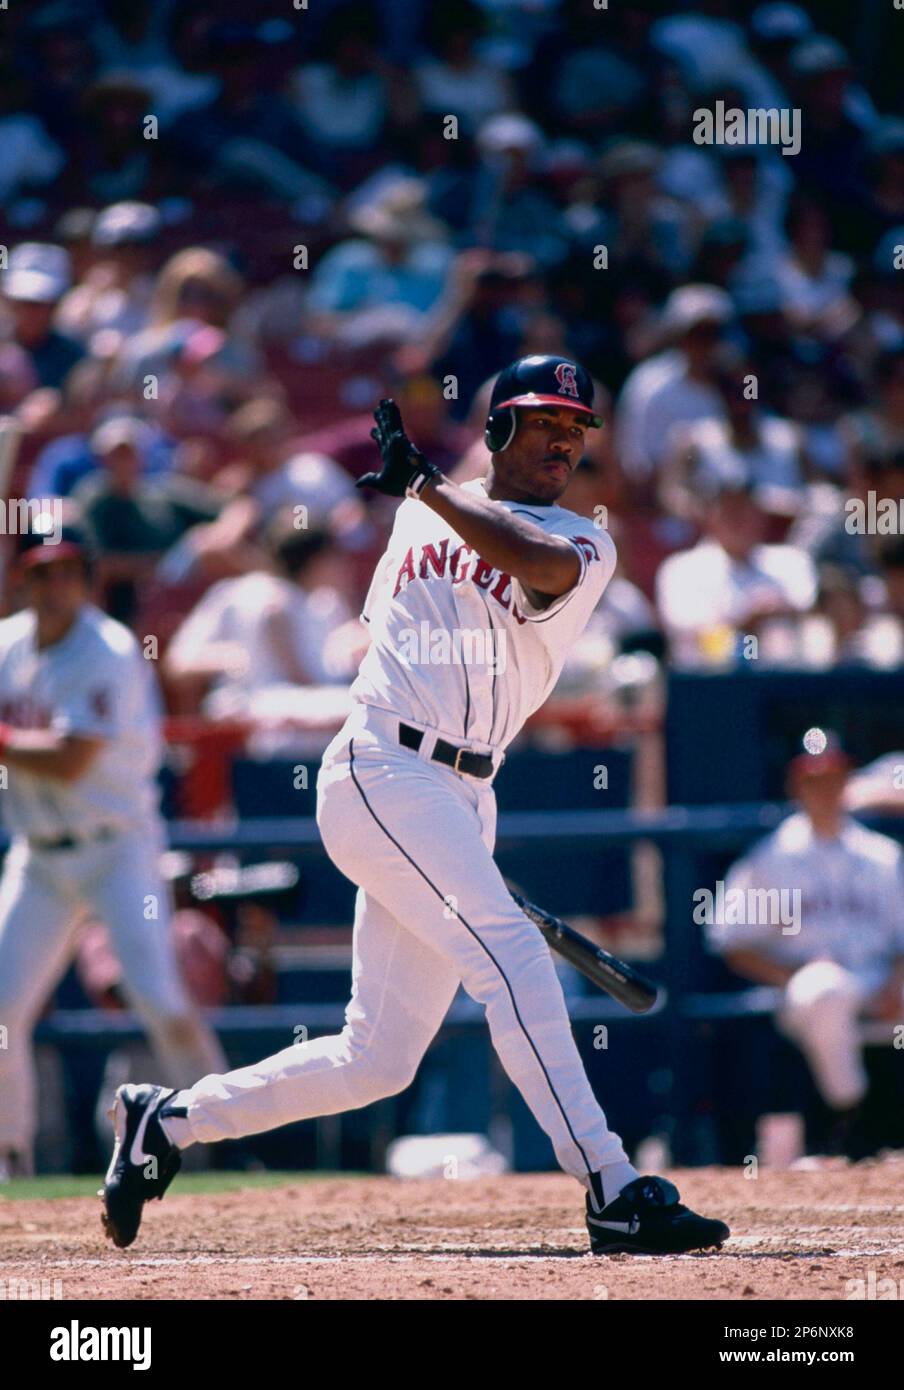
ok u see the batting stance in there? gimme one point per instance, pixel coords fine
(407, 812)
(80, 745)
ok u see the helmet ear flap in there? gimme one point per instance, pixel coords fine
(500, 430)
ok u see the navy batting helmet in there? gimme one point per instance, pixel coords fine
(532, 382)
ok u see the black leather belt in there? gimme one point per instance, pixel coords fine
(459, 759)
(106, 832)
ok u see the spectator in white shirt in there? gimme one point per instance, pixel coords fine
(730, 587)
(678, 385)
(269, 629)
(749, 443)
(458, 81)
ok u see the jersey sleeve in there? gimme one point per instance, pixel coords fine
(91, 705)
(595, 549)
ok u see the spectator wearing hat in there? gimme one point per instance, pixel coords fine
(476, 327)
(748, 444)
(267, 474)
(114, 297)
(64, 461)
(111, 159)
(709, 46)
(677, 385)
(35, 281)
(840, 957)
(379, 285)
(641, 227)
(73, 230)
(730, 586)
(834, 129)
(512, 208)
(133, 518)
(775, 29)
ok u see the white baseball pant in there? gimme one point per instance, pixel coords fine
(819, 1011)
(432, 911)
(43, 897)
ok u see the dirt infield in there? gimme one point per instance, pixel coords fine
(795, 1235)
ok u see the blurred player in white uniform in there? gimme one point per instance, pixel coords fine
(472, 611)
(843, 960)
(80, 745)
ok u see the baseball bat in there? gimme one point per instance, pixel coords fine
(622, 981)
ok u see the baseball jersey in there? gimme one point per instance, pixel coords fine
(851, 899)
(95, 682)
(456, 644)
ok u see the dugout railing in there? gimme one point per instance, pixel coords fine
(698, 1000)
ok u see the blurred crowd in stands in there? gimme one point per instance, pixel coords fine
(229, 231)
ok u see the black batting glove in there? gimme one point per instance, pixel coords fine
(405, 471)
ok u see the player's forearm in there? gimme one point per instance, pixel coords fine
(44, 753)
(546, 564)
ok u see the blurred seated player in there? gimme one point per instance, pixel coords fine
(286, 626)
(731, 585)
(79, 747)
(842, 959)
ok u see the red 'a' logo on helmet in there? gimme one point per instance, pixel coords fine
(565, 376)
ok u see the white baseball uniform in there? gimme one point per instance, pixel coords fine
(88, 846)
(433, 910)
(851, 929)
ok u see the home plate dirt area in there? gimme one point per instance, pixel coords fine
(794, 1235)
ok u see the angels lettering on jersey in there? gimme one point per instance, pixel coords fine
(463, 563)
(430, 581)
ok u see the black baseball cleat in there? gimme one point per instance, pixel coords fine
(646, 1218)
(144, 1161)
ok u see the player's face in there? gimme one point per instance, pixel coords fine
(57, 589)
(537, 465)
(823, 794)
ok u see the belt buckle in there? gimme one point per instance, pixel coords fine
(455, 768)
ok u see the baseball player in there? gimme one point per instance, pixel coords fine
(836, 949)
(406, 810)
(79, 748)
